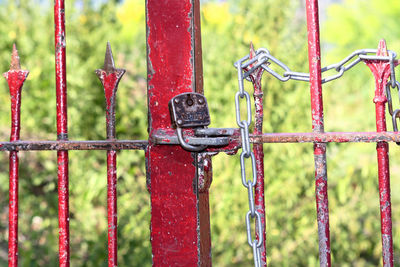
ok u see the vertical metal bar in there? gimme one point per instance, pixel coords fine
(171, 171)
(15, 78)
(204, 169)
(381, 72)
(204, 161)
(317, 113)
(62, 132)
(110, 77)
(256, 77)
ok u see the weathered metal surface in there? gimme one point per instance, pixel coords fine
(62, 132)
(110, 77)
(258, 94)
(15, 78)
(204, 174)
(326, 137)
(204, 162)
(381, 72)
(189, 110)
(74, 145)
(171, 171)
(229, 144)
(163, 137)
(317, 113)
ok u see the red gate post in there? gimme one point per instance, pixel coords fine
(62, 132)
(172, 60)
(317, 113)
(110, 77)
(381, 72)
(15, 78)
(259, 200)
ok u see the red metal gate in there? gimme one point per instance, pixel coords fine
(178, 179)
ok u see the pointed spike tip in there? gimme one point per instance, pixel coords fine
(15, 61)
(382, 48)
(252, 51)
(109, 59)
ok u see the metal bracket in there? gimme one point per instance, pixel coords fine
(190, 110)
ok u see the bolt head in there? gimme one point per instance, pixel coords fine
(176, 100)
(201, 101)
(179, 122)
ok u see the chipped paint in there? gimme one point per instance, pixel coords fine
(110, 78)
(174, 205)
(381, 72)
(259, 199)
(15, 78)
(62, 132)
(317, 115)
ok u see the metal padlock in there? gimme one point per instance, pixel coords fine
(189, 110)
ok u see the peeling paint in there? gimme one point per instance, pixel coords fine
(15, 78)
(317, 116)
(62, 132)
(174, 207)
(381, 72)
(110, 78)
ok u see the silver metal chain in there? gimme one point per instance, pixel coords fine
(247, 153)
(264, 59)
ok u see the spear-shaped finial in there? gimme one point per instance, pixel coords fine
(15, 76)
(15, 62)
(110, 77)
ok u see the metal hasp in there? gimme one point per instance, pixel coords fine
(317, 114)
(179, 212)
(62, 132)
(381, 71)
(15, 78)
(189, 110)
(110, 77)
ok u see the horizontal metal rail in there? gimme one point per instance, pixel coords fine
(326, 137)
(74, 145)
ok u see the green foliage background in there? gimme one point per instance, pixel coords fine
(227, 29)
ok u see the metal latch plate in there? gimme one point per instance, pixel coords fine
(189, 110)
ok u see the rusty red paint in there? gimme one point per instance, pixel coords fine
(74, 145)
(259, 201)
(110, 77)
(326, 137)
(62, 132)
(317, 113)
(171, 170)
(204, 173)
(204, 162)
(15, 78)
(381, 72)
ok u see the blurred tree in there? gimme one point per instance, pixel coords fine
(228, 27)
(89, 26)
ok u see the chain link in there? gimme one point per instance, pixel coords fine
(249, 184)
(264, 59)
